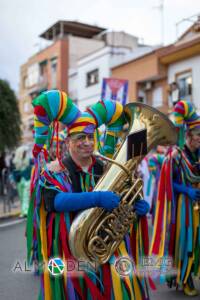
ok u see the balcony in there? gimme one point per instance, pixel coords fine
(43, 83)
(40, 86)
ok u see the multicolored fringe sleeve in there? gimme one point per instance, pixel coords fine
(109, 113)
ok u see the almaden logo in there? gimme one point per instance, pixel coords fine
(56, 266)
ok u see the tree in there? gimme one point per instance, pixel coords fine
(10, 131)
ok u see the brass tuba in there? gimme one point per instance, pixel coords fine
(95, 233)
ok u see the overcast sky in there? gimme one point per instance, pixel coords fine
(21, 22)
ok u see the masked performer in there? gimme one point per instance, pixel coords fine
(58, 196)
(177, 219)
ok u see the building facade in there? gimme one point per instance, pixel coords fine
(182, 60)
(85, 82)
(147, 78)
(48, 69)
(166, 74)
(81, 55)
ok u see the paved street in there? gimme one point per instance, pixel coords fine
(164, 293)
(8, 209)
(15, 285)
(24, 285)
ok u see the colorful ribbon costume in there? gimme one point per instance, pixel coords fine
(47, 234)
(176, 232)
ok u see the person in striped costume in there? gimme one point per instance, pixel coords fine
(176, 232)
(58, 196)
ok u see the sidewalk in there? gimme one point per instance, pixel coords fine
(14, 208)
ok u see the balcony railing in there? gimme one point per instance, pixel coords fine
(40, 86)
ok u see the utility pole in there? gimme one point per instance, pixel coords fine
(160, 7)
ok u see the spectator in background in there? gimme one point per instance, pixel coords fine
(22, 174)
(2, 166)
(174, 93)
(11, 184)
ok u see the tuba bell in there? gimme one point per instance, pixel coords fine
(95, 233)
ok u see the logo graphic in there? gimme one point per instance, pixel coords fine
(56, 266)
(124, 266)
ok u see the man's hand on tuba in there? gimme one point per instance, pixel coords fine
(141, 207)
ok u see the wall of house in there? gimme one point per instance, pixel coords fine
(120, 39)
(80, 47)
(100, 60)
(192, 64)
(72, 84)
(159, 96)
(135, 71)
(59, 51)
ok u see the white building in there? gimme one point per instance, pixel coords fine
(85, 80)
(183, 64)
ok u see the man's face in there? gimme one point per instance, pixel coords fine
(194, 139)
(81, 145)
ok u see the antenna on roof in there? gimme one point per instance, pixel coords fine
(192, 19)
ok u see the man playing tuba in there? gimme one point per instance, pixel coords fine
(58, 196)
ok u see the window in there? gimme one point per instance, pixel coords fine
(25, 82)
(184, 82)
(43, 68)
(141, 96)
(157, 99)
(26, 107)
(31, 124)
(43, 80)
(33, 74)
(54, 73)
(92, 77)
